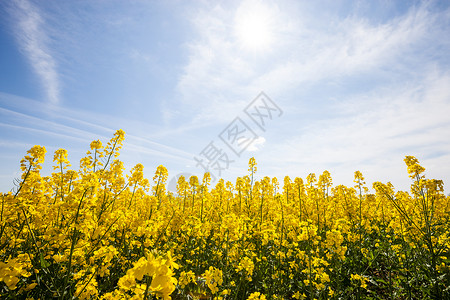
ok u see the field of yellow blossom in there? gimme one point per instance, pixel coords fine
(97, 233)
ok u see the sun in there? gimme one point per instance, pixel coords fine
(254, 26)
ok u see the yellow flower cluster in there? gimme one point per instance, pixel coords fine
(13, 269)
(359, 279)
(213, 277)
(157, 270)
(186, 278)
(246, 265)
(256, 296)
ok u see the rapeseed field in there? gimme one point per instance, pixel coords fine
(98, 233)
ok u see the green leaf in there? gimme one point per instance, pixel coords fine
(44, 263)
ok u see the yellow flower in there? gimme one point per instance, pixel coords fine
(299, 295)
(213, 278)
(252, 165)
(60, 158)
(10, 281)
(414, 169)
(59, 258)
(256, 296)
(247, 265)
(186, 278)
(36, 156)
(361, 279)
(95, 145)
(126, 282)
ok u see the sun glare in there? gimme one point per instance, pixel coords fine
(253, 26)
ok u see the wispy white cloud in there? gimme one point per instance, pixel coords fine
(256, 144)
(220, 75)
(31, 35)
(356, 47)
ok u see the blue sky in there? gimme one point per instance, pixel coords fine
(348, 85)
